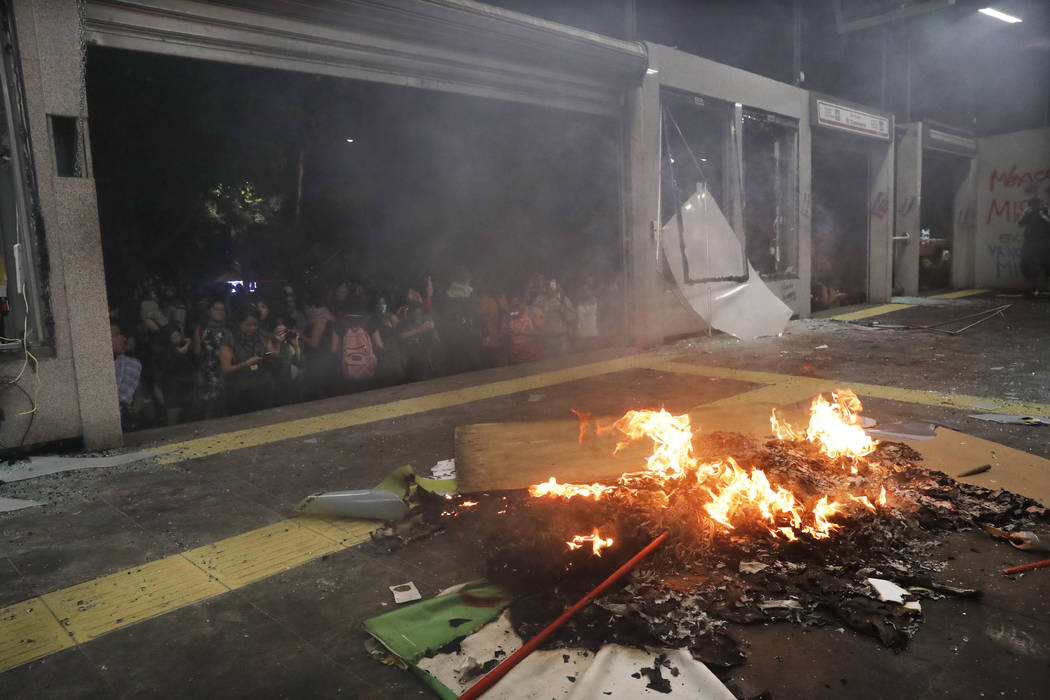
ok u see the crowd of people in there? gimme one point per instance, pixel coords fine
(231, 349)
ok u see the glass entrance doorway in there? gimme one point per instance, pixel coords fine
(942, 176)
(840, 222)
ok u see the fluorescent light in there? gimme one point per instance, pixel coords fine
(349, 140)
(999, 15)
(651, 71)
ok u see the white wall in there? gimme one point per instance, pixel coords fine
(1011, 169)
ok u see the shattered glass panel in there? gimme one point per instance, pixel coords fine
(770, 152)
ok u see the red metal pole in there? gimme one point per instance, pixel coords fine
(489, 679)
(1016, 569)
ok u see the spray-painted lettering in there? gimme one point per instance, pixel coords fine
(1006, 210)
(967, 215)
(908, 205)
(1007, 260)
(1012, 178)
(881, 206)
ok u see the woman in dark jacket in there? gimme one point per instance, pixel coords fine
(246, 362)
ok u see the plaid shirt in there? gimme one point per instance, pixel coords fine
(128, 370)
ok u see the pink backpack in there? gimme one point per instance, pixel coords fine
(359, 360)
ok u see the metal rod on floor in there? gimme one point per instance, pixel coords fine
(1027, 567)
(999, 313)
(489, 679)
(997, 309)
(932, 327)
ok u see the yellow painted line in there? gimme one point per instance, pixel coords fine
(29, 632)
(959, 294)
(815, 385)
(873, 311)
(266, 434)
(39, 627)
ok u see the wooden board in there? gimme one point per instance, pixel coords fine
(498, 456)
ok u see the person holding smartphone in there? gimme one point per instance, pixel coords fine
(288, 369)
(247, 363)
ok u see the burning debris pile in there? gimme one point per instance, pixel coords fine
(809, 527)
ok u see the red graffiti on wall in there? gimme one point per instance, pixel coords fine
(1008, 209)
(880, 206)
(908, 205)
(1011, 178)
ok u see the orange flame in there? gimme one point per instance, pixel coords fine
(584, 419)
(551, 487)
(821, 511)
(737, 495)
(672, 440)
(863, 500)
(834, 426)
(736, 490)
(598, 543)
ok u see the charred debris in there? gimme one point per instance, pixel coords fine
(707, 575)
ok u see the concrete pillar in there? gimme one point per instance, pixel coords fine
(880, 227)
(908, 148)
(803, 303)
(642, 213)
(80, 371)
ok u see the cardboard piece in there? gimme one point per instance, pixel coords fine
(497, 456)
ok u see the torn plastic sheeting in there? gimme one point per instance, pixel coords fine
(571, 674)
(372, 504)
(53, 464)
(384, 502)
(401, 478)
(911, 430)
(8, 505)
(709, 248)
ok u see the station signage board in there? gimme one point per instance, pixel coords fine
(836, 115)
(946, 141)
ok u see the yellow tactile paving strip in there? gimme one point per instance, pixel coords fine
(39, 627)
(91, 609)
(253, 556)
(869, 312)
(890, 308)
(30, 631)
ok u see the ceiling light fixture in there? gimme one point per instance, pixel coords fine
(1010, 19)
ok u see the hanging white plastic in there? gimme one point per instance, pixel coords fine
(711, 249)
